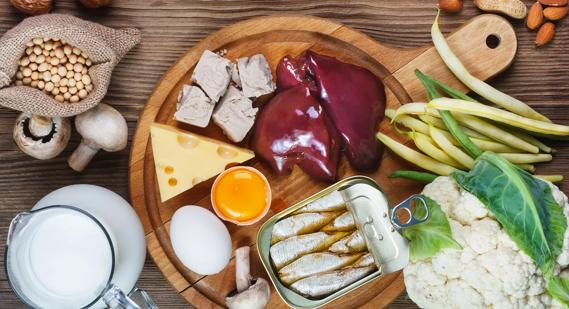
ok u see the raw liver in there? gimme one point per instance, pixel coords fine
(292, 72)
(352, 96)
(293, 129)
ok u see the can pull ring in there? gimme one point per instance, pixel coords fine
(413, 206)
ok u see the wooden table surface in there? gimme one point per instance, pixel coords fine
(169, 27)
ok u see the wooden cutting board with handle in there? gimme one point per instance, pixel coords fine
(486, 44)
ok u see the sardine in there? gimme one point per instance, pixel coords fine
(344, 222)
(315, 263)
(301, 224)
(349, 244)
(288, 250)
(331, 202)
(366, 260)
(330, 282)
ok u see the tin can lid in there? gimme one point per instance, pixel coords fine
(380, 225)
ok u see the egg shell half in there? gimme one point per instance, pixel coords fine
(200, 240)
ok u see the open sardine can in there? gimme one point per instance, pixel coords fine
(375, 219)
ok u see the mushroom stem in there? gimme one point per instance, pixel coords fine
(40, 126)
(247, 296)
(101, 127)
(242, 269)
(81, 157)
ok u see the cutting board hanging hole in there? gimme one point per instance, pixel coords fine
(493, 41)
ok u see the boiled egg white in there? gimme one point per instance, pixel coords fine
(200, 240)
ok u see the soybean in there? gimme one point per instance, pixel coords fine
(57, 68)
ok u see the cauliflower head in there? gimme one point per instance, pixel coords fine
(490, 271)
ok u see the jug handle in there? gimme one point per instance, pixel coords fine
(115, 298)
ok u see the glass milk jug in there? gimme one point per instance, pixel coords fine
(63, 257)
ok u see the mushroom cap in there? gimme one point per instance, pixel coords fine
(104, 127)
(45, 147)
(255, 297)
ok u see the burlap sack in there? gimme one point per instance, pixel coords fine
(105, 47)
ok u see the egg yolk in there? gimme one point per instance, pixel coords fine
(240, 195)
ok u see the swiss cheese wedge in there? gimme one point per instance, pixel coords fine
(184, 159)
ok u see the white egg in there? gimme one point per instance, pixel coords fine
(200, 240)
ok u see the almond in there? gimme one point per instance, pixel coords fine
(535, 16)
(452, 6)
(556, 13)
(545, 34)
(513, 8)
(554, 2)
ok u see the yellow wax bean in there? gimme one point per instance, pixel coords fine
(416, 157)
(495, 132)
(452, 150)
(427, 145)
(480, 87)
(439, 123)
(550, 178)
(534, 141)
(527, 157)
(499, 115)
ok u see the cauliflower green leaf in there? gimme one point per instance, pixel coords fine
(558, 288)
(428, 238)
(522, 204)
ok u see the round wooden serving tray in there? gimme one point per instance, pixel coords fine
(275, 37)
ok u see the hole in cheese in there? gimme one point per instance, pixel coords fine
(172, 181)
(168, 170)
(188, 142)
(226, 153)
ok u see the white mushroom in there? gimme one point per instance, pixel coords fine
(101, 127)
(41, 137)
(247, 296)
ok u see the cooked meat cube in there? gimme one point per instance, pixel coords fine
(194, 107)
(235, 114)
(212, 74)
(255, 76)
